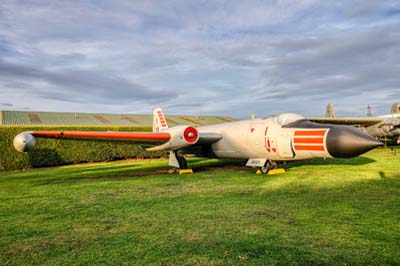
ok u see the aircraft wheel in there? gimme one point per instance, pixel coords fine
(269, 165)
(182, 162)
(273, 164)
(264, 169)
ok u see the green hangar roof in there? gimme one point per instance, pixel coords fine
(55, 118)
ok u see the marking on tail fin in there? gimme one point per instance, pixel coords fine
(159, 122)
(162, 119)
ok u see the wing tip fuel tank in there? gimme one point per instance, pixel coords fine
(24, 142)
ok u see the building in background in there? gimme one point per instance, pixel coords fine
(55, 118)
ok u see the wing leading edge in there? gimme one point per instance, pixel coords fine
(26, 141)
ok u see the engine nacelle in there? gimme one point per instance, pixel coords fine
(385, 130)
(181, 136)
(378, 131)
(24, 142)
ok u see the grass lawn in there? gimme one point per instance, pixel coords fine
(332, 212)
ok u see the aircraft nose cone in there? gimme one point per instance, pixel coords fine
(347, 142)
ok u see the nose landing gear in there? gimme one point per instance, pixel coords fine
(269, 165)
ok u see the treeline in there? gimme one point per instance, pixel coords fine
(52, 152)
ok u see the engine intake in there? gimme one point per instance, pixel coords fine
(191, 134)
(181, 136)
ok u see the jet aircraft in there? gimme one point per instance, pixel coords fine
(380, 126)
(262, 142)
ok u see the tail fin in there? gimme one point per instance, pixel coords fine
(395, 109)
(159, 122)
(330, 111)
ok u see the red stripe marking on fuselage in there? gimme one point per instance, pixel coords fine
(310, 132)
(265, 139)
(309, 148)
(319, 140)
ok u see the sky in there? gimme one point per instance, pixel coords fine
(231, 57)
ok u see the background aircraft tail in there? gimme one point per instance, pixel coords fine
(159, 121)
(330, 111)
(395, 109)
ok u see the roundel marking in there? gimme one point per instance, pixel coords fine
(191, 134)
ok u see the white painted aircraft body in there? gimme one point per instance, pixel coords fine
(265, 138)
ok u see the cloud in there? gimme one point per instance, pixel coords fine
(226, 57)
(78, 85)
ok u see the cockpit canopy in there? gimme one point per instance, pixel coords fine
(286, 118)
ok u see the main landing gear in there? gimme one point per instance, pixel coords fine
(269, 165)
(176, 161)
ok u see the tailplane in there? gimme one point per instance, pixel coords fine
(159, 121)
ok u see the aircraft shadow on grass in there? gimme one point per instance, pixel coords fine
(96, 172)
(354, 161)
(237, 164)
(135, 170)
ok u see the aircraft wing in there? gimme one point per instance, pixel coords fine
(143, 137)
(355, 121)
(162, 138)
(172, 139)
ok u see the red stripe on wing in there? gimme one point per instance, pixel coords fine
(138, 136)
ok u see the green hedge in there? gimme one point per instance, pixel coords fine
(51, 152)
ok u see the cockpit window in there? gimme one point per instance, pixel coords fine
(287, 118)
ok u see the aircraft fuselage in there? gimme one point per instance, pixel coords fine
(272, 139)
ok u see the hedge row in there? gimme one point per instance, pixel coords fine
(51, 152)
